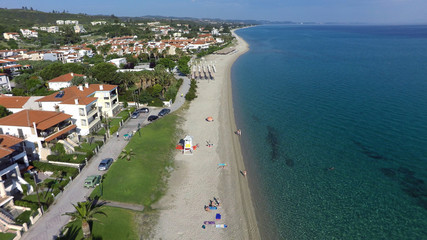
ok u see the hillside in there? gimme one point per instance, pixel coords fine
(28, 18)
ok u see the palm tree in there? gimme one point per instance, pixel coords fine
(85, 212)
(127, 153)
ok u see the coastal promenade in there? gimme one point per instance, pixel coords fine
(50, 224)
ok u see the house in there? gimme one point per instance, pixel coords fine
(4, 82)
(27, 33)
(60, 22)
(53, 29)
(98, 23)
(85, 103)
(70, 22)
(11, 35)
(18, 103)
(62, 81)
(38, 128)
(118, 61)
(79, 29)
(53, 56)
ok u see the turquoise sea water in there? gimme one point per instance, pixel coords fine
(334, 123)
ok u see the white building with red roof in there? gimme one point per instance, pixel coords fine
(85, 103)
(63, 81)
(38, 128)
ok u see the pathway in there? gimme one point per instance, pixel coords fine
(49, 225)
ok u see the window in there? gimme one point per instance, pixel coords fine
(107, 105)
(1, 131)
(84, 123)
(81, 111)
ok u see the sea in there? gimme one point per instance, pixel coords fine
(334, 130)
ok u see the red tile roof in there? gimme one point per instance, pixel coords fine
(7, 141)
(66, 77)
(74, 92)
(42, 119)
(13, 101)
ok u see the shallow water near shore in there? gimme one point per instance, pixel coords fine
(334, 130)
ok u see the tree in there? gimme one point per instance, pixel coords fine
(127, 153)
(4, 112)
(168, 63)
(104, 72)
(85, 212)
(12, 44)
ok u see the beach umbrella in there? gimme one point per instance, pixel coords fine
(209, 119)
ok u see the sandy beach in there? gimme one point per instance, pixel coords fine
(198, 179)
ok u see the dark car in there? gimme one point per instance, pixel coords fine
(135, 115)
(144, 110)
(164, 111)
(105, 164)
(152, 118)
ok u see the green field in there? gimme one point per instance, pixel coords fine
(140, 180)
(118, 224)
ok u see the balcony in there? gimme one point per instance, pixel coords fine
(92, 111)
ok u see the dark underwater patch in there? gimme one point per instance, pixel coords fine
(273, 141)
(368, 152)
(388, 172)
(289, 162)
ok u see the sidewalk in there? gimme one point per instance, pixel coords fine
(49, 225)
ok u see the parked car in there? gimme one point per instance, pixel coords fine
(152, 118)
(92, 181)
(144, 110)
(164, 111)
(135, 115)
(105, 164)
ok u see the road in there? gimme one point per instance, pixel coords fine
(49, 225)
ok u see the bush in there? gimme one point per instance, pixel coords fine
(192, 91)
(114, 129)
(125, 104)
(24, 189)
(58, 148)
(27, 204)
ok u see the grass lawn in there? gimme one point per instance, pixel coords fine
(140, 179)
(118, 224)
(7, 236)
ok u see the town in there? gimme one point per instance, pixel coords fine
(69, 86)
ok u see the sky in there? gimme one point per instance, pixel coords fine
(339, 11)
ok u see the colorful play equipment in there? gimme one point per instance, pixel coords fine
(187, 146)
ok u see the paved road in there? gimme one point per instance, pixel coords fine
(49, 225)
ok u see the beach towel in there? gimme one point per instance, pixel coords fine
(218, 216)
(213, 208)
(221, 226)
(209, 222)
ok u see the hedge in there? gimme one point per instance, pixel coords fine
(54, 168)
(28, 204)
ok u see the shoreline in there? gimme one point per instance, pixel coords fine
(197, 178)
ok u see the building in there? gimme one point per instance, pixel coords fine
(53, 29)
(98, 23)
(79, 29)
(54, 56)
(85, 103)
(118, 62)
(11, 35)
(4, 82)
(38, 128)
(63, 81)
(28, 33)
(18, 103)
(13, 159)
(60, 22)
(71, 22)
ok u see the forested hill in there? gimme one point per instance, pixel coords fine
(28, 18)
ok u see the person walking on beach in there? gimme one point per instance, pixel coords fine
(244, 173)
(117, 134)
